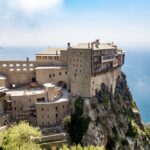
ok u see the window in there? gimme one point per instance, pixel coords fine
(53, 75)
(31, 69)
(17, 65)
(56, 115)
(31, 65)
(50, 76)
(42, 108)
(60, 73)
(4, 65)
(63, 106)
(66, 72)
(11, 65)
(42, 116)
(56, 108)
(11, 69)
(75, 74)
(47, 116)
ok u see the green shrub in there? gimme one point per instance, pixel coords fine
(124, 142)
(111, 142)
(79, 147)
(132, 131)
(67, 123)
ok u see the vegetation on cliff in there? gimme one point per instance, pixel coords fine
(79, 147)
(18, 137)
(77, 123)
(115, 119)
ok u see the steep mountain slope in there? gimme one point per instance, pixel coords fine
(109, 119)
(114, 119)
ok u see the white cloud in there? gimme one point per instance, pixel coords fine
(32, 6)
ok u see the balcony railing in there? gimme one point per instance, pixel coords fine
(108, 58)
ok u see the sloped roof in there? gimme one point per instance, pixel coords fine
(51, 51)
(101, 46)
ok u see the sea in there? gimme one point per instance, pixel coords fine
(136, 68)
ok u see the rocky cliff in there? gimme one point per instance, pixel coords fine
(115, 120)
(110, 119)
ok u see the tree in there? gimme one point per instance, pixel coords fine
(79, 123)
(67, 123)
(18, 137)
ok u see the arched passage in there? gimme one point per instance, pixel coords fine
(62, 84)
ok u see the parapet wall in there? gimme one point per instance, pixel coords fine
(17, 72)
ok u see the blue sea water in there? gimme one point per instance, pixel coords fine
(136, 68)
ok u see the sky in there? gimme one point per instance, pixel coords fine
(57, 22)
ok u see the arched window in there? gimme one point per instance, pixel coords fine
(11, 65)
(17, 65)
(31, 65)
(11, 69)
(31, 69)
(24, 65)
(4, 65)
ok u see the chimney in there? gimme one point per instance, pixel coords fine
(69, 45)
(27, 59)
(97, 43)
(89, 45)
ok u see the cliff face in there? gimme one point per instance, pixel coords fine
(114, 119)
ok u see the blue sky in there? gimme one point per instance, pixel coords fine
(56, 22)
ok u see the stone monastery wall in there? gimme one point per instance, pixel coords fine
(108, 78)
(52, 74)
(18, 72)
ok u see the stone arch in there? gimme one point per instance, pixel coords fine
(62, 84)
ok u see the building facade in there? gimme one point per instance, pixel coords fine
(41, 89)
